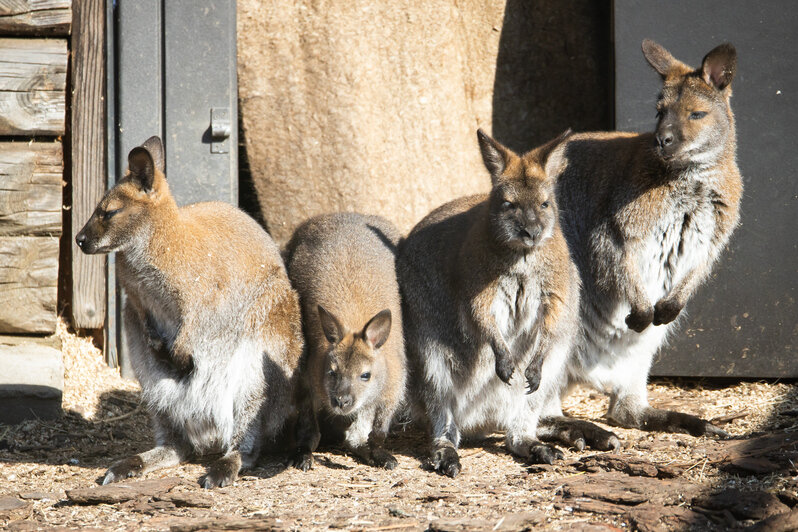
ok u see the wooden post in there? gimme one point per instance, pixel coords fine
(88, 155)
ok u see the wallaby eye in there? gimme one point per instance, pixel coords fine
(507, 205)
(110, 214)
(331, 372)
(366, 376)
(545, 205)
(697, 115)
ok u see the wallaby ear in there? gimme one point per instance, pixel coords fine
(333, 330)
(154, 145)
(494, 155)
(550, 157)
(377, 329)
(658, 57)
(719, 66)
(142, 168)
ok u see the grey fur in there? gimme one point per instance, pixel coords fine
(343, 266)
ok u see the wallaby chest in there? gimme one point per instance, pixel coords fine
(680, 238)
(516, 302)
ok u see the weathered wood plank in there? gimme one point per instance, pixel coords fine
(35, 17)
(31, 191)
(32, 86)
(28, 284)
(88, 156)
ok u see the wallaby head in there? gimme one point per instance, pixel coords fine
(523, 211)
(694, 118)
(351, 360)
(126, 208)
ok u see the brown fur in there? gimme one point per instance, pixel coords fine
(207, 295)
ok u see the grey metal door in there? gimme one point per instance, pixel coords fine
(172, 73)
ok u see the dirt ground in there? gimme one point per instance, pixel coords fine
(49, 471)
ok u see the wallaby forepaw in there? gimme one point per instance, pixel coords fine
(666, 310)
(540, 453)
(446, 461)
(384, 459)
(122, 469)
(303, 460)
(504, 370)
(639, 319)
(532, 375)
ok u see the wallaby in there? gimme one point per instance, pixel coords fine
(213, 325)
(344, 268)
(646, 216)
(488, 287)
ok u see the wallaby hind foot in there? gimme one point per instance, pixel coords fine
(577, 433)
(445, 461)
(222, 472)
(138, 464)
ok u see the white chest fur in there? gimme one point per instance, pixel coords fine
(678, 243)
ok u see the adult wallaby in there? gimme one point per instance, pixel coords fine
(212, 323)
(344, 268)
(646, 216)
(488, 288)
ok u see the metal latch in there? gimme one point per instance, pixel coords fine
(220, 129)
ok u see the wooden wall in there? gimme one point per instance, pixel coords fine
(33, 71)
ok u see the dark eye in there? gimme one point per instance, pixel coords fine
(110, 214)
(331, 372)
(366, 376)
(545, 205)
(507, 205)
(697, 115)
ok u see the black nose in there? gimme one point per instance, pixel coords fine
(665, 139)
(80, 240)
(342, 401)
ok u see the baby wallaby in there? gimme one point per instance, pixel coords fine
(489, 288)
(213, 325)
(343, 266)
(646, 216)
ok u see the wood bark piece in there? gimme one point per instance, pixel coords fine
(630, 465)
(35, 17)
(187, 499)
(744, 504)
(269, 524)
(88, 157)
(31, 188)
(32, 86)
(28, 284)
(13, 508)
(123, 491)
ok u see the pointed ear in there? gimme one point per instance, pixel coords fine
(719, 66)
(550, 157)
(377, 329)
(142, 168)
(494, 155)
(658, 57)
(333, 330)
(155, 147)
